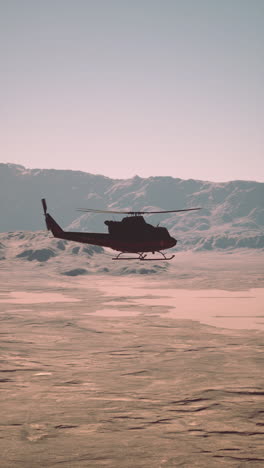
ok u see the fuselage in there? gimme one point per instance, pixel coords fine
(126, 238)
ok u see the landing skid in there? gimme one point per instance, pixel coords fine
(142, 257)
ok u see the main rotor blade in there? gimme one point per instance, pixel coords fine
(170, 211)
(90, 210)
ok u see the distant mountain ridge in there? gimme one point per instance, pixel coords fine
(232, 215)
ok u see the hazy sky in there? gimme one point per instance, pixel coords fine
(125, 87)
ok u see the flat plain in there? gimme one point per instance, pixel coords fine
(148, 369)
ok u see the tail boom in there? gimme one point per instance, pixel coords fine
(83, 237)
(53, 226)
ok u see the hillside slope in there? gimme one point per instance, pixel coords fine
(232, 214)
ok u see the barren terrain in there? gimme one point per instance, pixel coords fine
(144, 365)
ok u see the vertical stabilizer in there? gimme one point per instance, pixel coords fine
(50, 222)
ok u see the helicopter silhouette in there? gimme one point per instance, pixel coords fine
(130, 235)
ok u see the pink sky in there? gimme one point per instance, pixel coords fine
(123, 88)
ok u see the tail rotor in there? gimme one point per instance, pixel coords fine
(44, 204)
(50, 222)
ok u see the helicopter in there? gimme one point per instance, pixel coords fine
(130, 235)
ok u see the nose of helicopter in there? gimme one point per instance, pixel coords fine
(173, 242)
